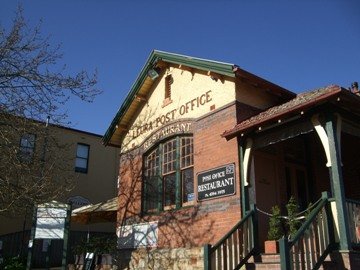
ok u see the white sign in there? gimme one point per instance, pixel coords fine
(51, 213)
(138, 235)
(50, 228)
(50, 223)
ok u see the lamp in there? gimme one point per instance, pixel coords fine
(153, 73)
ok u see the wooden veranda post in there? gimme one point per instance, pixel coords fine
(336, 177)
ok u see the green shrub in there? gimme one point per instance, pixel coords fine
(293, 224)
(14, 263)
(275, 227)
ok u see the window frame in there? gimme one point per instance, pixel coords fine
(177, 171)
(24, 154)
(80, 169)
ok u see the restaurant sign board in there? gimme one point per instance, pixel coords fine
(216, 182)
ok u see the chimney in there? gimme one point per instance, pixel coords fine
(355, 88)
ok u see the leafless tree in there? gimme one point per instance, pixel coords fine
(34, 88)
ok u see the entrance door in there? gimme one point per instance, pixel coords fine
(297, 184)
(266, 186)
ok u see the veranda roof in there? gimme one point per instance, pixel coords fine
(96, 213)
(297, 105)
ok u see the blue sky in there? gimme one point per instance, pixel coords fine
(300, 45)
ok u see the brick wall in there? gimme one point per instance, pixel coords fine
(201, 223)
(179, 258)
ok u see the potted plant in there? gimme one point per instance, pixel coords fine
(275, 231)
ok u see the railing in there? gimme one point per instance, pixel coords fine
(353, 216)
(312, 242)
(236, 247)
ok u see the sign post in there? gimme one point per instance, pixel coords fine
(66, 238)
(50, 221)
(31, 241)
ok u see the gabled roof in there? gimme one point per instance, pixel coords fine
(300, 103)
(142, 85)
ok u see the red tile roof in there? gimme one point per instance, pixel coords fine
(299, 103)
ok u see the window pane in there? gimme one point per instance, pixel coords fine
(81, 163)
(152, 163)
(151, 193)
(82, 151)
(169, 156)
(169, 189)
(187, 155)
(28, 140)
(82, 157)
(27, 145)
(187, 177)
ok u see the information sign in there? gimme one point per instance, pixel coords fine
(138, 235)
(50, 221)
(216, 182)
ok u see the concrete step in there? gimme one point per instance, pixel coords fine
(267, 258)
(264, 262)
(262, 266)
(272, 262)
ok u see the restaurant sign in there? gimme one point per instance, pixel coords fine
(181, 127)
(216, 183)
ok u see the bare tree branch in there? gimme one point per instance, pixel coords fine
(33, 88)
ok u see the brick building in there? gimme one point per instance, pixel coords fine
(201, 141)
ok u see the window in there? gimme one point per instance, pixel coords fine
(169, 175)
(27, 147)
(82, 158)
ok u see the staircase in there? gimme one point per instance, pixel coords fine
(272, 262)
(309, 248)
(264, 261)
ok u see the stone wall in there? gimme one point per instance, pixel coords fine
(176, 258)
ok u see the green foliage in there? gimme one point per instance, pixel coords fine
(275, 227)
(293, 223)
(98, 245)
(13, 263)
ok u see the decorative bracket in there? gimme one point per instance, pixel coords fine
(320, 130)
(246, 161)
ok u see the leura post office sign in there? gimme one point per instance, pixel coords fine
(216, 183)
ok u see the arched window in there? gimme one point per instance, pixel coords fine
(169, 175)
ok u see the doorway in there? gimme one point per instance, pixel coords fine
(297, 184)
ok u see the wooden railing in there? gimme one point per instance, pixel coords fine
(236, 247)
(353, 216)
(313, 241)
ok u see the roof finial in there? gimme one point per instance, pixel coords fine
(355, 88)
